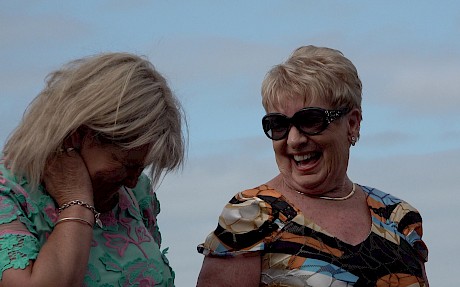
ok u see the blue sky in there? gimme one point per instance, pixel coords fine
(215, 55)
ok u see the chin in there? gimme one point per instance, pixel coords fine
(107, 199)
(306, 182)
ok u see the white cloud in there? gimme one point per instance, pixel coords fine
(418, 84)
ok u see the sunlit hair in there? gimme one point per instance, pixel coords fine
(313, 73)
(119, 96)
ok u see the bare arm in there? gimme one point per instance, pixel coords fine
(63, 259)
(235, 271)
(424, 276)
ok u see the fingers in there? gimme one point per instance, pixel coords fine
(66, 176)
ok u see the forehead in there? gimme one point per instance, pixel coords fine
(290, 105)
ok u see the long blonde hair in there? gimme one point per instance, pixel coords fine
(120, 96)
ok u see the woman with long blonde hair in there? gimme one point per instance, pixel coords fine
(75, 206)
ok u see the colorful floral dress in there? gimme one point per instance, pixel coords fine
(297, 252)
(124, 252)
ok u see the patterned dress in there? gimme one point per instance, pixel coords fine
(124, 252)
(297, 252)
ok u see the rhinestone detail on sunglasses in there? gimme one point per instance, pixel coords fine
(310, 121)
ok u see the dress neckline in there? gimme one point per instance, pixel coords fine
(325, 231)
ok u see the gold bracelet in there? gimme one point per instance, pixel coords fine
(83, 204)
(76, 219)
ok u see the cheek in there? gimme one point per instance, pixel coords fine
(277, 149)
(337, 154)
(282, 159)
(102, 169)
(109, 176)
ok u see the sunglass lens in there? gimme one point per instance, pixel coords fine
(275, 126)
(311, 121)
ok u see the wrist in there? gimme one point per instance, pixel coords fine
(77, 211)
(65, 200)
(75, 219)
(82, 206)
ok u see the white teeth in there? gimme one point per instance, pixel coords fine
(303, 157)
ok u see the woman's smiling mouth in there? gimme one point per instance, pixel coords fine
(305, 159)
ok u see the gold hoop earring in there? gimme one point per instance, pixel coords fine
(353, 141)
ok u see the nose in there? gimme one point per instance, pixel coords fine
(296, 138)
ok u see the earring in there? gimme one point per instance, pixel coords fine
(353, 140)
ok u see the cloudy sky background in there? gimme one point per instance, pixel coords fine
(215, 55)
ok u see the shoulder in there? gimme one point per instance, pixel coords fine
(10, 204)
(248, 210)
(149, 206)
(145, 195)
(143, 187)
(10, 183)
(247, 222)
(14, 195)
(256, 205)
(7, 178)
(391, 207)
(405, 218)
(258, 195)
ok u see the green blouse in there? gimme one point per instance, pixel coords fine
(124, 252)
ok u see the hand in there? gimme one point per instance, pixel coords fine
(66, 178)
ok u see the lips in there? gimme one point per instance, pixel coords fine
(305, 160)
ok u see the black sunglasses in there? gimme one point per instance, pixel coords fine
(310, 121)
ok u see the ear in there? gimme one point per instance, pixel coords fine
(78, 137)
(354, 124)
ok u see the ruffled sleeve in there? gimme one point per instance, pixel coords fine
(409, 223)
(17, 248)
(249, 221)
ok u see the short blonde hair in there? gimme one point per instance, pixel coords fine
(119, 96)
(313, 73)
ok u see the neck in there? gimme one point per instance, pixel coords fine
(349, 195)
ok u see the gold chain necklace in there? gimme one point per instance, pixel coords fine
(332, 198)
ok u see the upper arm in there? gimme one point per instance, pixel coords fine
(230, 271)
(409, 223)
(233, 251)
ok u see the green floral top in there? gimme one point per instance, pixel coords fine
(125, 251)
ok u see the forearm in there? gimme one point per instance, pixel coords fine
(228, 272)
(63, 259)
(67, 249)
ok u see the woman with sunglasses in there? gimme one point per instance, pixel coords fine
(312, 225)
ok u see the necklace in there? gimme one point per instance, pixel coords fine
(333, 198)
